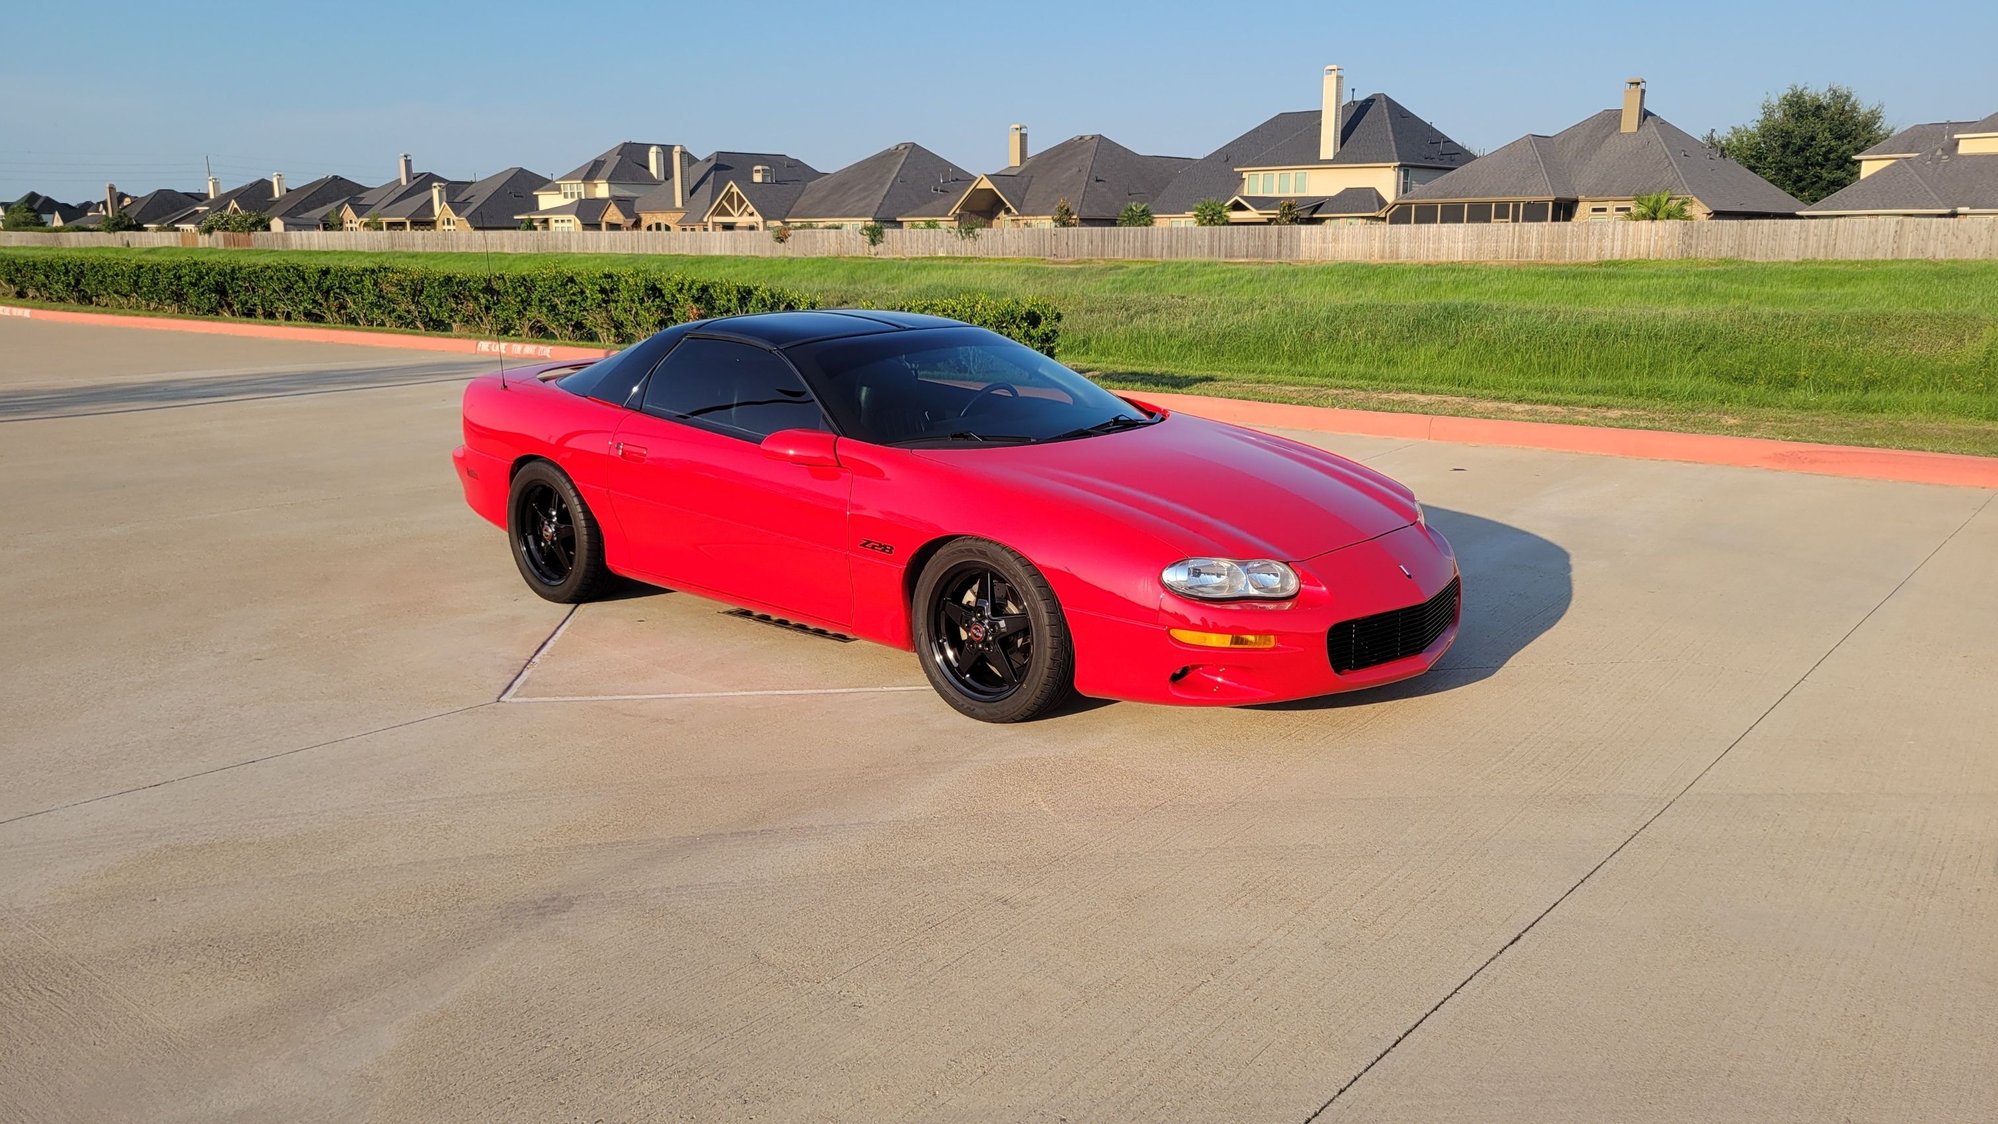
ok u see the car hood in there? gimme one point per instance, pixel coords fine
(1205, 487)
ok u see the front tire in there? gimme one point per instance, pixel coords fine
(556, 542)
(990, 633)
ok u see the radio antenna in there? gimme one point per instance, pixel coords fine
(486, 244)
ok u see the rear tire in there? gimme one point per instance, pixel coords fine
(990, 634)
(556, 542)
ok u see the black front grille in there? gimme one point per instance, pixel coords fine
(1392, 635)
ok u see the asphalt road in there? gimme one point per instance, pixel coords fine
(1699, 820)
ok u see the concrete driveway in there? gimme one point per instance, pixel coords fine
(1699, 820)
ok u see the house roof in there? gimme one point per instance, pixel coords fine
(707, 178)
(896, 181)
(1375, 129)
(1098, 177)
(315, 196)
(155, 207)
(625, 162)
(1353, 202)
(1935, 182)
(50, 209)
(254, 196)
(379, 200)
(1927, 138)
(495, 202)
(1594, 158)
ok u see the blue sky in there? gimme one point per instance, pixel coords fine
(137, 95)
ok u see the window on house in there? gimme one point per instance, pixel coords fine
(1283, 183)
(572, 191)
(1297, 182)
(1269, 183)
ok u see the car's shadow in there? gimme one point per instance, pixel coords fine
(1516, 586)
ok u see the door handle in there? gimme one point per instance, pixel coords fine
(629, 452)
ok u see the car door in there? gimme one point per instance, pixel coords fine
(704, 508)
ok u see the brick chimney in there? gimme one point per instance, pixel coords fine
(110, 199)
(214, 187)
(1016, 146)
(655, 162)
(402, 169)
(277, 185)
(1328, 117)
(436, 199)
(1633, 105)
(679, 176)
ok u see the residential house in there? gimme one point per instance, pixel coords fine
(1094, 175)
(255, 196)
(305, 207)
(1379, 151)
(53, 212)
(155, 207)
(389, 204)
(726, 191)
(1594, 170)
(493, 203)
(881, 188)
(601, 194)
(1942, 170)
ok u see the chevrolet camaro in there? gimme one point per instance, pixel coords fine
(938, 487)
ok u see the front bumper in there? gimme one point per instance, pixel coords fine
(1138, 661)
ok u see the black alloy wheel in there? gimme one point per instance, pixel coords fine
(556, 543)
(990, 633)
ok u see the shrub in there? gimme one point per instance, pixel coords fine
(873, 232)
(1064, 214)
(235, 222)
(1210, 212)
(1286, 214)
(780, 234)
(1659, 206)
(966, 228)
(20, 216)
(1135, 214)
(929, 224)
(119, 223)
(607, 306)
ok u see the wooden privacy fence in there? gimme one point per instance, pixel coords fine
(1844, 239)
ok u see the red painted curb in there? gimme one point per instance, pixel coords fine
(1646, 444)
(299, 334)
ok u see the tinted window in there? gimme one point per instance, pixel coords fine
(731, 388)
(953, 385)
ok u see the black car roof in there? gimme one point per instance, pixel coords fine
(787, 329)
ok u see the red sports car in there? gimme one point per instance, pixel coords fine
(931, 485)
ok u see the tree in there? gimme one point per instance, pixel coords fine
(780, 233)
(873, 232)
(235, 222)
(1135, 214)
(1210, 212)
(1286, 214)
(21, 216)
(1805, 140)
(1659, 206)
(331, 220)
(1064, 215)
(966, 228)
(119, 223)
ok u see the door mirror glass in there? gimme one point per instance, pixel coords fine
(813, 448)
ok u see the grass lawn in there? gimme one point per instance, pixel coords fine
(1901, 354)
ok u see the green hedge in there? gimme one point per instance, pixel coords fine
(609, 306)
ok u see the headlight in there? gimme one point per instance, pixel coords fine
(1224, 579)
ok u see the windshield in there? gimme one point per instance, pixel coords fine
(956, 386)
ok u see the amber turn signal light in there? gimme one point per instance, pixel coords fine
(1222, 639)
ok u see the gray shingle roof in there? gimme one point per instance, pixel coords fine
(1593, 158)
(378, 199)
(589, 211)
(625, 162)
(1930, 137)
(707, 178)
(497, 201)
(894, 182)
(315, 195)
(1098, 177)
(1919, 184)
(1353, 202)
(155, 207)
(1372, 130)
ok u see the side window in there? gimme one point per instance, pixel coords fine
(731, 388)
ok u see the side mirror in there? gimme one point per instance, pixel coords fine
(812, 448)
